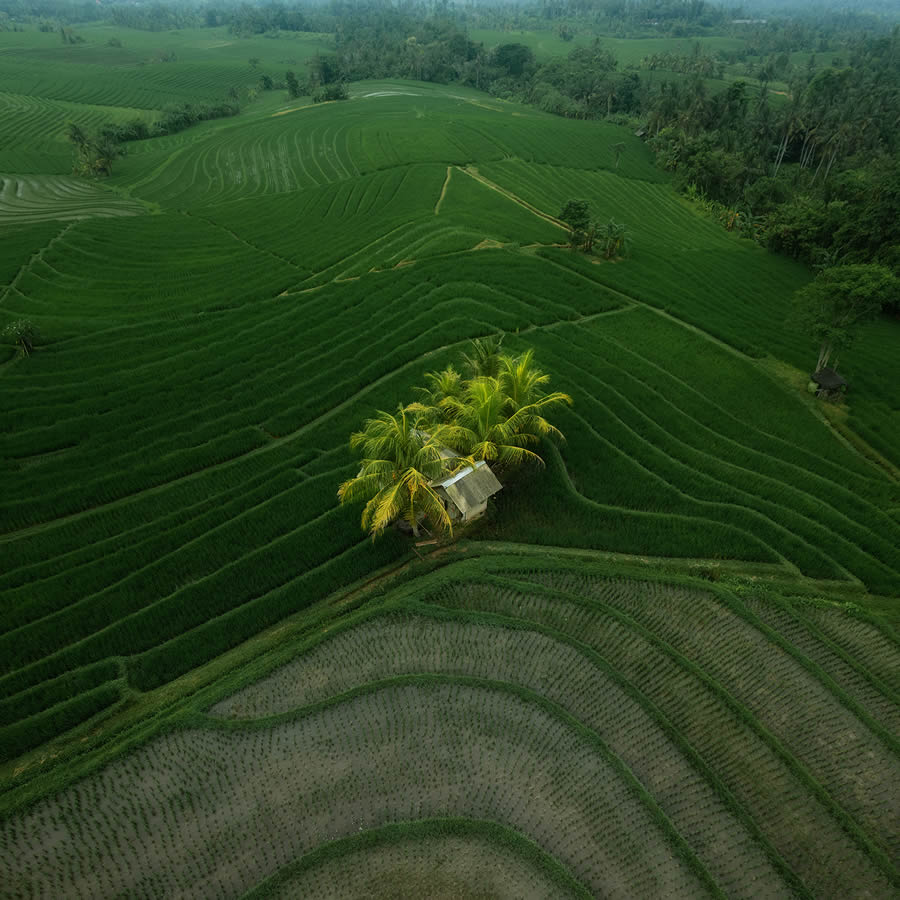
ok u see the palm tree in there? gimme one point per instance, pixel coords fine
(522, 382)
(615, 241)
(588, 236)
(400, 462)
(440, 386)
(492, 426)
(484, 360)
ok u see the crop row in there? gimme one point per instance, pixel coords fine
(19, 244)
(17, 737)
(34, 134)
(237, 391)
(699, 377)
(243, 528)
(39, 198)
(320, 145)
(808, 830)
(542, 671)
(855, 676)
(648, 430)
(462, 856)
(496, 754)
(850, 762)
(678, 260)
(252, 554)
(874, 412)
(561, 516)
(559, 671)
(118, 277)
(148, 87)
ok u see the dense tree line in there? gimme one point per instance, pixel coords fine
(815, 176)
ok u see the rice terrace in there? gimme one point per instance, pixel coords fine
(534, 295)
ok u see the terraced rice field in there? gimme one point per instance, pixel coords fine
(24, 200)
(595, 735)
(170, 535)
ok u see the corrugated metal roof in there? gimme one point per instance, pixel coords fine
(472, 486)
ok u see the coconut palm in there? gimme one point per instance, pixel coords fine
(487, 427)
(440, 386)
(522, 382)
(400, 461)
(483, 360)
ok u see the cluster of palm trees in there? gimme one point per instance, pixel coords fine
(611, 238)
(492, 410)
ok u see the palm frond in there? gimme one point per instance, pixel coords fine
(388, 507)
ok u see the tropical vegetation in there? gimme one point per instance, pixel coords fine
(496, 415)
(664, 664)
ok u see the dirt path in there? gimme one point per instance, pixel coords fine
(437, 206)
(472, 172)
(284, 112)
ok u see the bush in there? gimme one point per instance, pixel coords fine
(329, 92)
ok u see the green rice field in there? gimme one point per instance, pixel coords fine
(666, 664)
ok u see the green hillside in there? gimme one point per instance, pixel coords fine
(692, 606)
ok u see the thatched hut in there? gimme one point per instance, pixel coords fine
(465, 494)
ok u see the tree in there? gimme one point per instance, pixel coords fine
(514, 58)
(400, 461)
(833, 306)
(293, 85)
(75, 135)
(588, 236)
(94, 154)
(522, 382)
(266, 83)
(614, 238)
(483, 359)
(440, 386)
(330, 92)
(497, 418)
(486, 424)
(23, 333)
(576, 214)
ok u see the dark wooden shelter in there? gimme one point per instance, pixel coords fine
(829, 383)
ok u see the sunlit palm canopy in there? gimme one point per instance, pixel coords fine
(400, 460)
(520, 380)
(439, 386)
(487, 429)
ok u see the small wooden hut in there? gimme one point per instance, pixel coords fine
(465, 494)
(828, 384)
